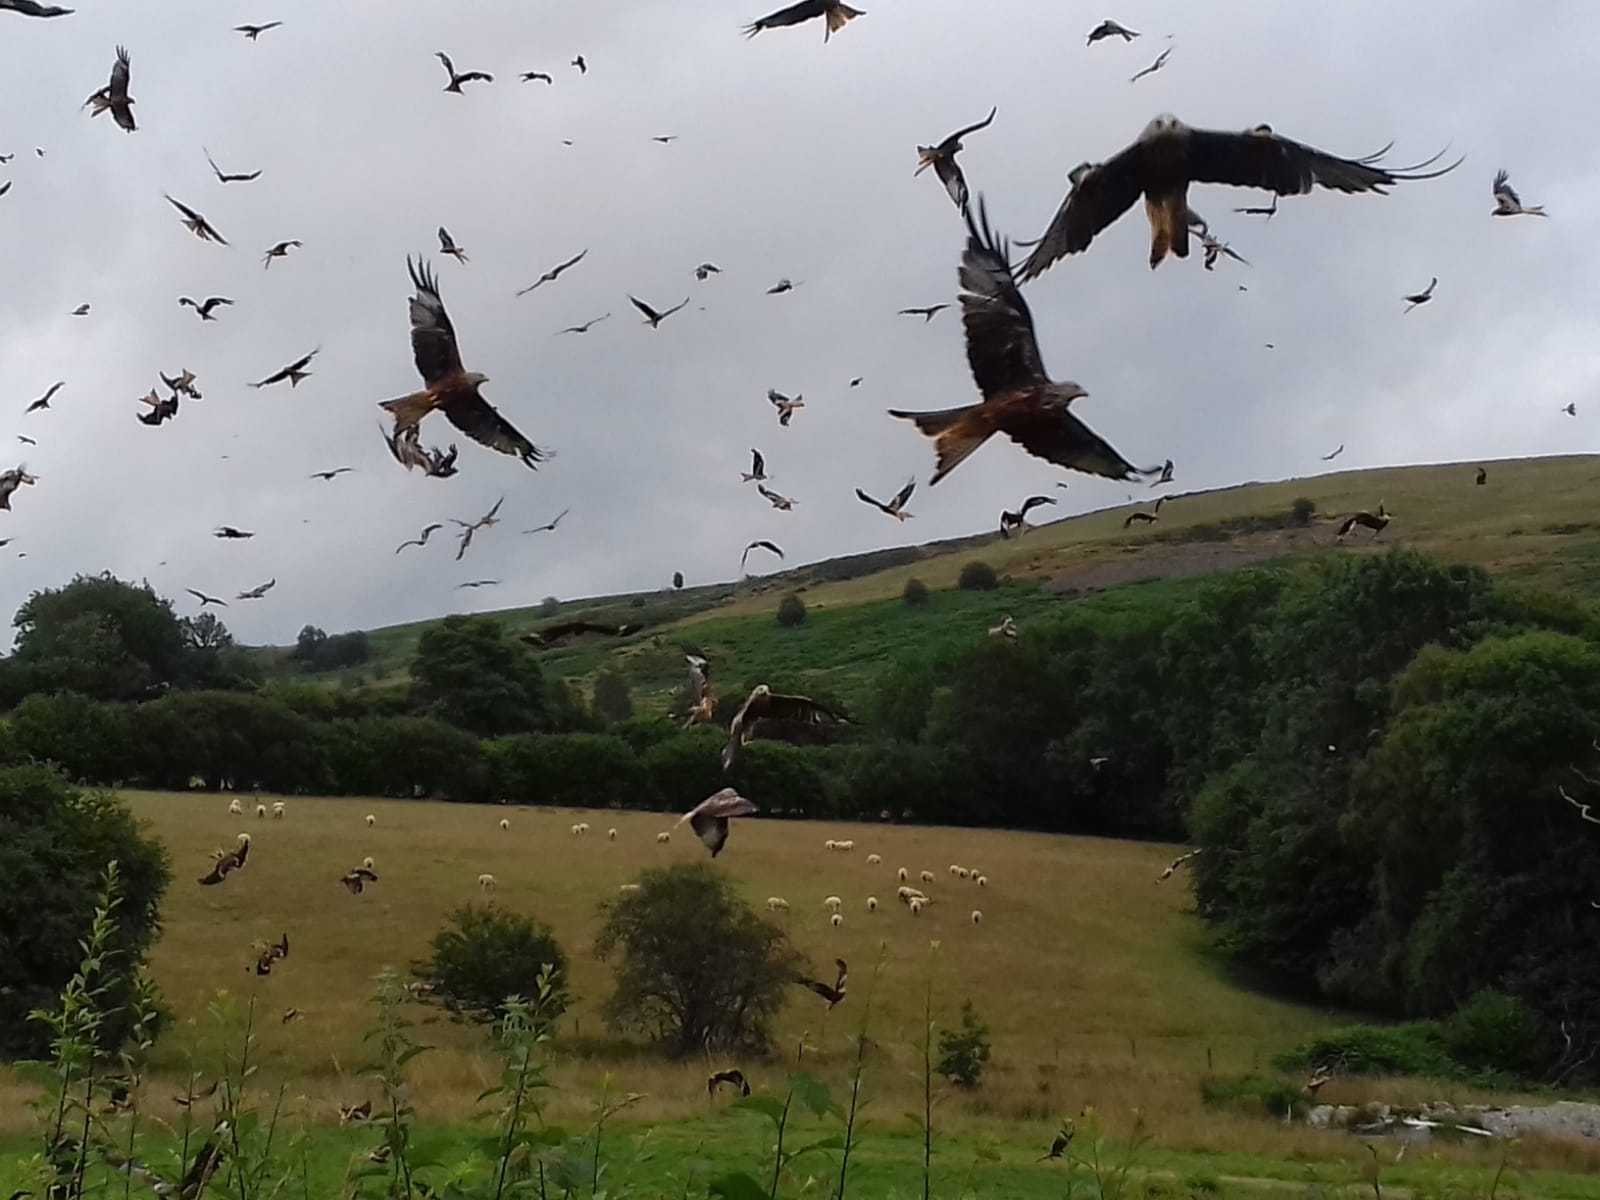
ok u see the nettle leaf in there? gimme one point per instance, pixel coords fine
(768, 1106)
(813, 1094)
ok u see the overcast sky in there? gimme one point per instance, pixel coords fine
(794, 159)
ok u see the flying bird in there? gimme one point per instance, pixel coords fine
(44, 400)
(252, 32)
(585, 327)
(1166, 474)
(1059, 1144)
(226, 864)
(1018, 521)
(83, 309)
(1268, 212)
(1019, 399)
(1376, 522)
(554, 272)
(1161, 61)
(1109, 28)
(31, 8)
(1335, 454)
(550, 527)
(831, 993)
(583, 67)
(835, 14)
(355, 882)
(732, 1075)
(6, 187)
(665, 140)
(942, 158)
(781, 503)
(554, 635)
(765, 705)
(1181, 861)
(267, 956)
(1006, 629)
(337, 471)
(1571, 409)
(183, 382)
(28, 441)
(406, 446)
(1214, 249)
(294, 372)
(197, 224)
(160, 410)
(1168, 156)
(783, 285)
(230, 533)
(769, 547)
(223, 177)
(478, 583)
(785, 405)
(256, 593)
(758, 468)
(447, 245)
(1421, 297)
(468, 528)
(706, 270)
(677, 580)
(530, 76)
(280, 250)
(927, 314)
(456, 80)
(703, 706)
(205, 599)
(427, 532)
(1508, 204)
(896, 507)
(11, 480)
(114, 98)
(1144, 518)
(204, 309)
(653, 318)
(709, 819)
(451, 388)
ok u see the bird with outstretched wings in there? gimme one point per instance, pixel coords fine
(554, 272)
(709, 819)
(294, 372)
(197, 224)
(942, 158)
(765, 707)
(769, 547)
(896, 507)
(832, 993)
(114, 98)
(457, 78)
(225, 177)
(835, 14)
(653, 318)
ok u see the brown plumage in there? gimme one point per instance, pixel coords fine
(764, 706)
(554, 272)
(258, 591)
(450, 387)
(279, 250)
(227, 863)
(1168, 156)
(1109, 28)
(1145, 518)
(1483, 477)
(1508, 204)
(832, 993)
(942, 158)
(11, 480)
(447, 245)
(406, 446)
(703, 705)
(835, 14)
(554, 635)
(731, 1075)
(160, 410)
(1181, 861)
(114, 98)
(709, 819)
(1019, 399)
(294, 372)
(205, 599)
(44, 400)
(653, 318)
(183, 381)
(468, 528)
(267, 956)
(758, 468)
(896, 507)
(1017, 522)
(770, 547)
(355, 882)
(197, 224)
(1376, 522)
(787, 406)
(779, 502)
(1166, 474)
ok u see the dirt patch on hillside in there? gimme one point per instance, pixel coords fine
(1140, 561)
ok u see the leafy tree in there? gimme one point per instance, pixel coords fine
(791, 611)
(587, 770)
(85, 738)
(484, 955)
(964, 1052)
(696, 968)
(978, 576)
(915, 594)
(55, 842)
(612, 699)
(406, 757)
(470, 673)
(101, 637)
(315, 651)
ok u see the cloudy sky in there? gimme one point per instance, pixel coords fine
(794, 159)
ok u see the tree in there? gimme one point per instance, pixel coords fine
(612, 699)
(978, 576)
(101, 637)
(549, 606)
(696, 968)
(791, 611)
(964, 1052)
(915, 594)
(484, 955)
(315, 651)
(1301, 511)
(468, 672)
(55, 842)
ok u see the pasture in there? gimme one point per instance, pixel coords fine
(1094, 980)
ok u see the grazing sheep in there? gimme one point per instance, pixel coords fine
(277, 810)
(927, 877)
(583, 827)
(976, 916)
(983, 881)
(486, 881)
(576, 829)
(963, 874)
(663, 836)
(872, 904)
(836, 920)
(903, 875)
(261, 810)
(874, 859)
(829, 844)
(954, 870)
(916, 907)
(908, 894)
(777, 904)
(847, 845)
(368, 863)
(235, 808)
(611, 835)
(833, 904)
(371, 820)
(628, 889)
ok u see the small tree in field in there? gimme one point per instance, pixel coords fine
(485, 954)
(915, 594)
(791, 612)
(964, 1052)
(978, 576)
(696, 968)
(1301, 511)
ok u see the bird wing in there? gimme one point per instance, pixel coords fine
(1033, 502)
(1001, 347)
(445, 59)
(878, 504)
(1059, 437)
(955, 183)
(674, 308)
(1504, 191)
(780, 707)
(1100, 194)
(758, 464)
(433, 338)
(446, 243)
(964, 131)
(1260, 158)
(184, 209)
(649, 312)
(118, 88)
(481, 421)
(554, 271)
(805, 10)
(904, 494)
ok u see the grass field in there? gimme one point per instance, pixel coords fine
(1095, 981)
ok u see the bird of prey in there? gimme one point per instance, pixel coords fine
(355, 882)
(1508, 204)
(1335, 454)
(1006, 629)
(831, 993)
(703, 707)
(942, 158)
(191, 1096)
(1374, 521)
(182, 382)
(1166, 474)
(732, 1075)
(896, 507)
(223, 177)
(11, 480)
(280, 250)
(1214, 249)
(82, 310)
(927, 314)
(1421, 297)
(758, 468)
(353, 1114)
(204, 309)
(330, 474)
(456, 80)
(447, 245)
(294, 372)
(553, 635)
(1268, 212)
(709, 819)
(770, 547)
(1482, 477)
(1168, 156)
(232, 534)
(549, 527)
(653, 318)
(197, 224)
(468, 528)
(1181, 861)
(114, 98)
(268, 955)
(706, 270)
(1019, 399)
(1109, 28)
(160, 410)
(781, 503)
(26, 440)
(1018, 521)
(227, 863)
(1144, 518)
(783, 285)
(1058, 1145)
(31, 8)
(1571, 409)
(256, 593)
(1161, 61)
(427, 532)
(585, 327)
(406, 446)
(583, 67)
(477, 583)
(252, 32)
(764, 705)
(44, 400)
(856, 382)
(785, 405)
(554, 272)
(5, 187)
(835, 13)
(451, 388)
(666, 139)
(530, 76)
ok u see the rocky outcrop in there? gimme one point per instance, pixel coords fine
(1567, 1118)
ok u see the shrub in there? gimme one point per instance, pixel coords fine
(612, 699)
(1494, 1032)
(964, 1052)
(549, 606)
(485, 954)
(791, 612)
(1414, 1049)
(915, 594)
(1301, 511)
(1253, 1095)
(696, 968)
(978, 576)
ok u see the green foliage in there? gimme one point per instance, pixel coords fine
(791, 612)
(1417, 1048)
(485, 954)
(1495, 1032)
(695, 967)
(470, 673)
(582, 770)
(612, 698)
(549, 606)
(314, 651)
(978, 576)
(1253, 1095)
(915, 594)
(1301, 511)
(964, 1052)
(55, 842)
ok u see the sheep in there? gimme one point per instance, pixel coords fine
(916, 907)
(261, 811)
(371, 820)
(277, 810)
(583, 827)
(576, 829)
(486, 881)
(977, 916)
(847, 845)
(983, 881)
(908, 894)
(505, 823)
(663, 837)
(874, 859)
(963, 873)
(872, 904)
(836, 920)
(628, 889)
(829, 844)
(368, 863)
(235, 809)
(903, 875)
(833, 904)
(777, 904)
(611, 835)
(927, 877)
(954, 870)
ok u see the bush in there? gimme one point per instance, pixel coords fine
(1301, 511)
(978, 576)
(915, 594)
(1414, 1049)
(1494, 1032)
(1252, 1095)
(549, 606)
(612, 699)
(791, 612)
(696, 969)
(964, 1052)
(485, 954)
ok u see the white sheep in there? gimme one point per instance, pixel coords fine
(847, 845)
(916, 907)
(576, 829)
(903, 875)
(611, 835)
(628, 889)
(486, 881)
(874, 859)
(277, 810)
(371, 820)
(583, 827)
(777, 904)
(663, 836)
(505, 823)
(983, 881)
(830, 844)
(368, 863)
(976, 916)
(872, 904)
(235, 808)
(836, 920)
(833, 904)
(261, 810)
(954, 870)
(927, 877)
(963, 873)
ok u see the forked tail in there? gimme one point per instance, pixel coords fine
(956, 433)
